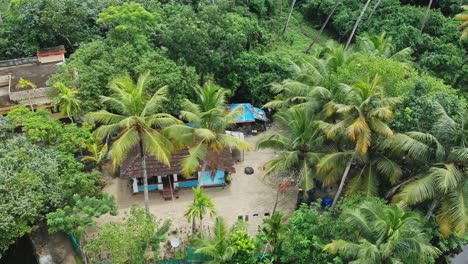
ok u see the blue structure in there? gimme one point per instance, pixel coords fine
(251, 114)
(218, 178)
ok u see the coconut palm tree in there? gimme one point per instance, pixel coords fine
(66, 100)
(206, 136)
(134, 123)
(363, 117)
(289, 17)
(307, 50)
(218, 247)
(336, 56)
(463, 17)
(381, 45)
(385, 234)
(202, 205)
(303, 89)
(274, 230)
(445, 182)
(97, 154)
(369, 170)
(373, 11)
(358, 21)
(300, 144)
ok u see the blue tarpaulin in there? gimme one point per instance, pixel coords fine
(250, 113)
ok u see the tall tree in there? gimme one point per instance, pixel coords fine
(274, 229)
(135, 122)
(67, 101)
(202, 204)
(301, 146)
(307, 50)
(381, 45)
(358, 21)
(303, 88)
(363, 117)
(426, 16)
(385, 234)
(373, 11)
(206, 137)
(289, 17)
(445, 182)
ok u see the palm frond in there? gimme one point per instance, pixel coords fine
(346, 248)
(447, 178)
(381, 128)
(191, 163)
(331, 166)
(119, 149)
(204, 134)
(230, 141)
(365, 181)
(430, 140)
(275, 141)
(459, 154)
(104, 117)
(404, 145)
(390, 169)
(156, 102)
(418, 191)
(157, 145)
(453, 214)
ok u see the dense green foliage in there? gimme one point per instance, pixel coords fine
(35, 180)
(127, 242)
(74, 220)
(385, 118)
(436, 49)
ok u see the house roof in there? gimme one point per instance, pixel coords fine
(34, 72)
(131, 167)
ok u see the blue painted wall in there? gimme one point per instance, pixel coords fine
(188, 184)
(151, 187)
(217, 180)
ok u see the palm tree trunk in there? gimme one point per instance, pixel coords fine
(373, 10)
(200, 178)
(307, 51)
(289, 17)
(201, 220)
(394, 189)
(276, 202)
(358, 21)
(193, 225)
(145, 175)
(342, 183)
(431, 210)
(426, 16)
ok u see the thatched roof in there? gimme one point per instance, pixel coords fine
(131, 167)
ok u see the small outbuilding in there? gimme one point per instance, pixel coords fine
(252, 120)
